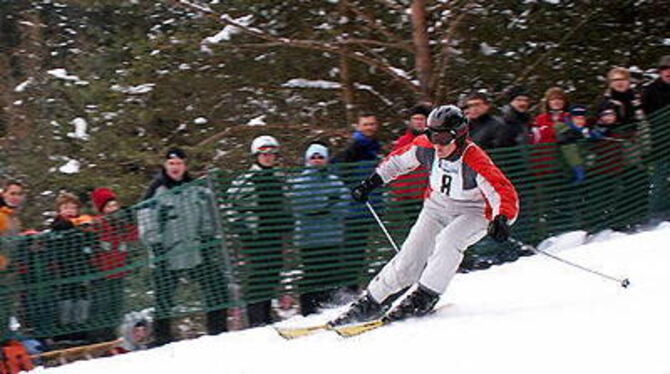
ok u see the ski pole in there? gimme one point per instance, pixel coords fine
(381, 224)
(622, 282)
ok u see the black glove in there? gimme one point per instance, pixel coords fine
(499, 229)
(360, 193)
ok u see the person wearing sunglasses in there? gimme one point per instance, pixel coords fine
(468, 197)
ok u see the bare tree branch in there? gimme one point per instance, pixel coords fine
(332, 47)
(373, 24)
(442, 58)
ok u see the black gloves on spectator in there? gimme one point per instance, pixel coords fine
(360, 193)
(499, 229)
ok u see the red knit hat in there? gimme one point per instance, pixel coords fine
(101, 196)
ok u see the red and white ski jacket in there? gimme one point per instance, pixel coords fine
(466, 181)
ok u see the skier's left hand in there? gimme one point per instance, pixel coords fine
(499, 229)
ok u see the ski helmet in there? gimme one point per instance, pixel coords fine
(447, 123)
(264, 144)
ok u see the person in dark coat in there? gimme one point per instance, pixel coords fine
(260, 216)
(484, 127)
(627, 101)
(516, 120)
(656, 95)
(360, 158)
(70, 244)
(177, 222)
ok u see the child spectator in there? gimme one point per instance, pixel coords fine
(567, 135)
(71, 250)
(116, 233)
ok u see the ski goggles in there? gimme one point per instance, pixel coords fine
(442, 137)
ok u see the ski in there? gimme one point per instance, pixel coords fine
(348, 331)
(289, 333)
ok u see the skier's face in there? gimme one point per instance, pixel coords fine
(444, 151)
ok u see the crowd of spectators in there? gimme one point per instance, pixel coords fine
(273, 215)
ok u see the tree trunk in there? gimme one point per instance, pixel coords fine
(423, 60)
(348, 89)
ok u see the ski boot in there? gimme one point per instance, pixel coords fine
(419, 303)
(362, 310)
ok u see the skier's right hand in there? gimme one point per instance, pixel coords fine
(361, 192)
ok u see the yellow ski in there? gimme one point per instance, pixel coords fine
(359, 328)
(298, 332)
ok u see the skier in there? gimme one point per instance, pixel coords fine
(468, 196)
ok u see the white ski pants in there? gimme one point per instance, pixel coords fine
(431, 253)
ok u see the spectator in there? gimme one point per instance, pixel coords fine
(178, 223)
(260, 216)
(11, 200)
(656, 101)
(516, 120)
(412, 186)
(554, 105)
(656, 95)
(320, 200)
(71, 246)
(135, 332)
(568, 134)
(627, 101)
(363, 145)
(484, 126)
(365, 150)
(116, 234)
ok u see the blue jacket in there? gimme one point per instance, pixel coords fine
(319, 201)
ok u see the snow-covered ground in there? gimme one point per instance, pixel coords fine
(532, 316)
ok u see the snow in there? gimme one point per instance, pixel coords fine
(306, 83)
(535, 315)
(80, 129)
(22, 86)
(70, 167)
(134, 90)
(229, 30)
(200, 121)
(257, 121)
(62, 74)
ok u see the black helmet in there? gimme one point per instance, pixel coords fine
(448, 120)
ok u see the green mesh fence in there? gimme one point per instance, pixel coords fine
(237, 237)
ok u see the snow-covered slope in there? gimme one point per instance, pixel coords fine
(532, 316)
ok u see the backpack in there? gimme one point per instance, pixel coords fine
(14, 358)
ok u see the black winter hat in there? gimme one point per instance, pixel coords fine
(516, 91)
(420, 109)
(175, 153)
